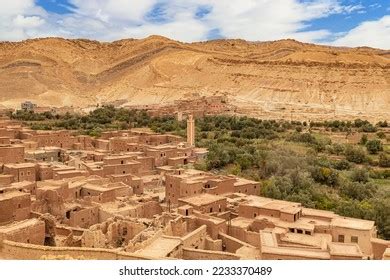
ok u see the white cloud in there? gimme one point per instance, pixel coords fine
(28, 22)
(370, 33)
(19, 19)
(269, 20)
(108, 20)
(114, 10)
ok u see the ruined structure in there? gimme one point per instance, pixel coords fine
(135, 195)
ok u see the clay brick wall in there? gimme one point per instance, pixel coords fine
(128, 168)
(6, 179)
(5, 140)
(147, 164)
(21, 173)
(15, 208)
(364, 237)
(11, 154)
(84, 217)
(32, 234)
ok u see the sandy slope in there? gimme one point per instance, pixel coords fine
(283, 78)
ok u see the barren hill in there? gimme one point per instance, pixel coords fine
(270, 79)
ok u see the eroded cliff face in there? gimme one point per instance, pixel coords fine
(273, 79)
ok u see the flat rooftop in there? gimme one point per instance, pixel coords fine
(357, 224)
(202, 199)
(12, 194)
(161, 247)
(267, 203)
(243, 182)
(20, 165)
(345, 249)
(19, 225)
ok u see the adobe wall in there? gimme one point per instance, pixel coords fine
(5, 140)
(134, 245)
(251, 212)
(195, 238)
(213, 228)
(45, 173)
(20, 251)
(10, 133)
(32, 234)
(249, 189)
(231, 244)
(147, 164)
(379, 247)
(249, 237)
(84, 218)
(176, 227)
(195, 254)
(15, 208)
(21, 173)
(276, 256)
(252, 238)
(6, 179)
(62, 139)
(11, 154)
(128, 168)
(213, 245)
(364, 237)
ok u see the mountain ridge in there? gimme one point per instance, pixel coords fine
(259, 77)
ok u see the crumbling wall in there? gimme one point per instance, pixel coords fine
(213, 245)
(20, 251)
(195, 254)
(196, 238)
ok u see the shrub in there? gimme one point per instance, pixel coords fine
(363, 139)
(374, 146)
(360, 175)
(384, 160)
(325, 175)
(381, 135)
(342, 164)
(356, 155)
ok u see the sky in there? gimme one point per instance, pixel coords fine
(333, 22)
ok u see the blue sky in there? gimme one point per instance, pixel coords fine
(334, 22)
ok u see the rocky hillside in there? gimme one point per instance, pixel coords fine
(271, 79)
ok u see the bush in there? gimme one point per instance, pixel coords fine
(368, 128)
(358, 191)
(374, 146)
(384, 160)
(363, 139)
(382, 124)
(381, 135)
(341, 164)
(356, 155)
(360, 175)
(325, 175)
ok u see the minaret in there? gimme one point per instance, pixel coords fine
(191, 131)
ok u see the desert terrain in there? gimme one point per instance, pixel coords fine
(280, 79)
